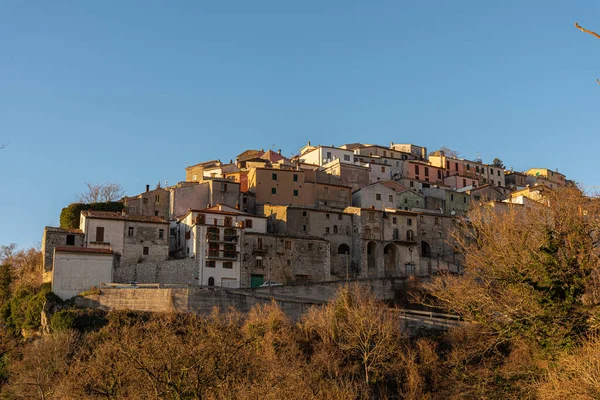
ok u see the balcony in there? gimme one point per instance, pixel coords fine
(218, 254)
(227, 239)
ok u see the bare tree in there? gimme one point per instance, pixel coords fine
(101, 193)
(449, 152)
(582, 29)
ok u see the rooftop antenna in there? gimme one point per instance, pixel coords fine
(478, 159)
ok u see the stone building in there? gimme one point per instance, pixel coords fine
(434, 235)
(55, 237)
(133, 238)
(150, 203)
(197, 196)
(335, 226)
(453, 202)
(283, 259)
(355, 176)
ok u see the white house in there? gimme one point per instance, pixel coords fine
(212, 236)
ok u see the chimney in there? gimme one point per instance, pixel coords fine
(279, 151)
(309, 142)
(391, 144)
(147, 188)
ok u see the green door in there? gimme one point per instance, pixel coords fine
(256, 280)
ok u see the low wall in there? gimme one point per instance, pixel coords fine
(195, 299)
(184, 271)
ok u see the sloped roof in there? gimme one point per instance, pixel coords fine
(122, 217)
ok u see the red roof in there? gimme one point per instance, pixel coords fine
(77, 249)
(122, 217)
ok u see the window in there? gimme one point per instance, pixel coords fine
(329, 155)
(391, 198)
(346, 157)
(223, 187)
(145, 200)
(99, 234)
(227, 265)
(161, 233)
(439, 174)
(70, 240)
(436, 221)
(410, 236)
(416, 170)
(326, 190)
(491, 171)
(477, 168)
(304, 228)
(447, 164)
(464, 200)
(464, 182)
(468, 167)
(451, 197)
(409, 221)
(295, 177)
(378, 196)
(382, 169)
(498, 172)
(295, 192)
(412, 184)
(274, 176)
(456, 166)
(335, 229)
(146, 251)
(396, 234)
(327, 230)
(426, 171)
(340, 217)
(288, 245)
(156, 213)
(326, 216)
(249, 223)
(273, 190)
(304, 213)
(289, 262)
(194, 177)
(394, 220)
(130, 231)
(210, 264)
(310, 246)
(259, 243)
(228, 221)
(371, 217)
(157, 198)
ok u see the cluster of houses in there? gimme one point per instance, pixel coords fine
(328, 213)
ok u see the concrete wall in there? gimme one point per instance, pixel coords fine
(195, 197)
(74, 273)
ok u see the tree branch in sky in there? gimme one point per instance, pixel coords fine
(582, 29)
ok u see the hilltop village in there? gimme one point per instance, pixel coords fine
(328, 213)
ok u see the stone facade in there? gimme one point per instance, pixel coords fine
(150, 203)
(54, 237)
(283, 259)
(164, 272)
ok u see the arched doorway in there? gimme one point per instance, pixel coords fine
(211, 281)
(372, 259)
(390, 258)
(425, 249)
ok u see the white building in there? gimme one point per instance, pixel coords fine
(322, 155)
(212, 236)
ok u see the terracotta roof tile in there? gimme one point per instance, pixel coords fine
(122, 217)
(77, 249)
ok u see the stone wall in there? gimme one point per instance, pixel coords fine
(284, 258)
(145, 235)
(184, 271)
(54, 237)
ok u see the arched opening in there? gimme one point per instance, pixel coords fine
(211, 281)
(367, 232)
(410, 235)
(335, 229)
(425, 249)
(396, 234)
(390, 257)
(372, 259)
(344, 249)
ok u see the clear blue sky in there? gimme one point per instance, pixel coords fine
(130, 91)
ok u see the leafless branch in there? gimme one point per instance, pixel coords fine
(582, 29)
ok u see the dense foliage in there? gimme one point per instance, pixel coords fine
(70, 215)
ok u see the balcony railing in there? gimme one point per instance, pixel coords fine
(221, 254)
